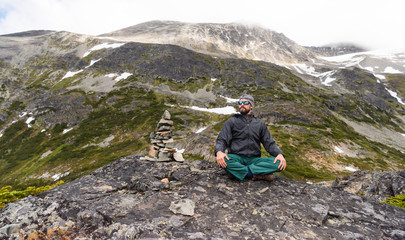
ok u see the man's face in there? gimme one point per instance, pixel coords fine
(245, 109)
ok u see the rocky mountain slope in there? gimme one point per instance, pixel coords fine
(221, 40)
(337, 49)
(70, 103)
(136, 199)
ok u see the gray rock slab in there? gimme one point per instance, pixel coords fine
(132, 198)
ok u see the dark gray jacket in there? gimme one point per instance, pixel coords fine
(242, 136)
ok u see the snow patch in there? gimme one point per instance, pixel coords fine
(29, 120)
(229, 100)
(201, 130)
(395, 56)
(45, 175)
(71, 74)
(224, 110)
(111, 75)
(300, 67)
(66, 130)
(395, 95)
(351, 169)
(338, 150)
(125, 75)
(379, 76)
(118, 77)
(325, 77)
(103, 46)
(391, 70)
(349, 60)
(59, 176)
(92, 62)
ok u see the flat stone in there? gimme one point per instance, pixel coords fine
(163, 128)
(178, 157)
(10, 229)
(170, 140)
(164, 122)
(166, 115)
(184, 207)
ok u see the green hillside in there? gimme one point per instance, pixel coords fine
(80, 125)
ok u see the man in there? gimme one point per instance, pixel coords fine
(242, 135)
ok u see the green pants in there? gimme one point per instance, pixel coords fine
(236, 165)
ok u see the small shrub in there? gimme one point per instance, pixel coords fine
(16, 105)
(398, 201)
(6, 195)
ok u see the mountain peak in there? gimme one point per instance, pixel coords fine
(232, 40)
(31, 33)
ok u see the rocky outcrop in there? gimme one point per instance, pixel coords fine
(378, 185)
(136, 199)
(336, 50)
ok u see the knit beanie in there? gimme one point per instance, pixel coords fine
(249, 98)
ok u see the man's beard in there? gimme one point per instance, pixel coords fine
(243, 111)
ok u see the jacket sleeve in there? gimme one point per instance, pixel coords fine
(268, 142)
(224, 138)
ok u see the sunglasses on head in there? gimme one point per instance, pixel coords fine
(244, 102)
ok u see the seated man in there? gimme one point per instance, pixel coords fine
(242, 135)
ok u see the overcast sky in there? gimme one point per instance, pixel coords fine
(370, 23)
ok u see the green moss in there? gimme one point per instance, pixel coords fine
(397, 82)
(23, 147)
(59, 127)
(16, 105)
(64, 83)
(398, 201)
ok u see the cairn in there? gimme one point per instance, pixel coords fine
(162, 143)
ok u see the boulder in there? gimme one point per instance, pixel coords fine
(378, 185)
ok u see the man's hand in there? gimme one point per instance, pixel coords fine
(221, 159)
(283, 162)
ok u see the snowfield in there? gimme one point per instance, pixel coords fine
(102, 46)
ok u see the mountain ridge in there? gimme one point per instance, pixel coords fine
(222, 40)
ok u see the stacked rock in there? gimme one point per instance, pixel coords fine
(162, 141)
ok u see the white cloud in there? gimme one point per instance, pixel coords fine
(312, 22)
